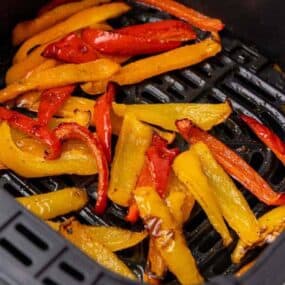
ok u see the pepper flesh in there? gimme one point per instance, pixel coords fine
(167, 237)
(67, 131)
(267, 136)
(233, 164)
(187, 14)
(51, 101)
(53, 204)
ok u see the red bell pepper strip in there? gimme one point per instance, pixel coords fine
(53, 4)
(267, 136)
(166, 30)
(113, 43)
(187, 14)
(102, 119)
(70, 49)
(51, 101)
(233, 164)
(34, 129)
(67, 131)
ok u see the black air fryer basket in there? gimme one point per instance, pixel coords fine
(31, 253)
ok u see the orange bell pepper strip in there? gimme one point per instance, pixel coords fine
(187, 14)
(233, 164)
(266, 136)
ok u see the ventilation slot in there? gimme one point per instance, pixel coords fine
(48, 281)
(256, 160)
(71, 271)
(278, 176)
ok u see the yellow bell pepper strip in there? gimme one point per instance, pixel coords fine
(134, 140)
(54, 225)
(28, 164)
(95, 250)
(51, 205)
(2, 166)
(76, 22)
(235, 208)
(205, 116)
(168, 238)
(60, 76)
(142, 69)
(27, 29)
(188, 169)
(272, 224)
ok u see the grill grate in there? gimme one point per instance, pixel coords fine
(239, 74)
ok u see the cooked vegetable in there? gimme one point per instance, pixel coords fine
(27, 29)
(60, 76)
(267, 136)
(168, 238)
(142, 69)
(185, 13)
(54, 204)
(165, 115)
(232, 163)
(76, 22)
(245, 268)
(97, 251)
(188, 170)
(54, 225)
(272, 224)
(134, 140)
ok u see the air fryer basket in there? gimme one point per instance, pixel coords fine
(31, 253)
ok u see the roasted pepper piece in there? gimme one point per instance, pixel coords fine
(235, 208)
(165, 115)
(76, 22)
(67, 131)
(167, 237)
(188, 170)
(57, 203)
(187, 14)
(27, 29)
(272, 224)
(94, 249)
(266, 136)
(233, 164)
(60, 76)
(54, 225)
(51, 101)
(134, 140)
(142, 69)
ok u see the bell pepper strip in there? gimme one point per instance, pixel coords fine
(95, 250)
(142, 69)
(102, 119)
(27, 29)
(245, 268)
(53, 204)
(2, 166)
(134, 140)
(188, 169)
(71, 49)
(232, 163)
(27, 160)
(54, 225)
(272, 224)
(165, 30)
(167, 237)
(60, 76)
(33, 129)
(81, 118)
(187, 14)
(52, 4)
(83, 19)
(267, 136)
(51, 100)
(68, 131)
(205, 116)
(235, 208)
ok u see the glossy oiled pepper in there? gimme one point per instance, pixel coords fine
(51, 101)
(68, 131)
(232, 163)
(267, 136)
(34, 129)
(185, 13)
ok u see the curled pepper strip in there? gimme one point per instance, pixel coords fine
(266, 136)
(34, 129)
(67, 131)
(233, 164)
(51, 101)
